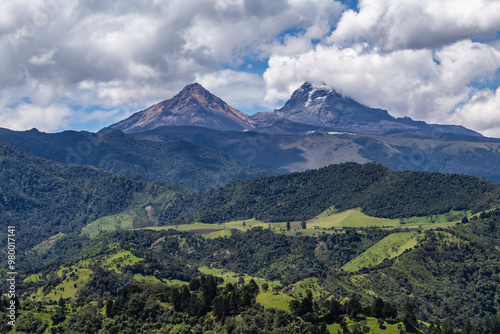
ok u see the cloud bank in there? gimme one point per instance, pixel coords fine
(85, 64)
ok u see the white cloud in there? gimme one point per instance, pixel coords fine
(414, 24)
(424, 84)
(112, 54)
(242, 89)
(481, 112)
(25, 116)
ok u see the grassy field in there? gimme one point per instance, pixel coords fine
(76, 276)
(142, 213)
(233, 278)
(276, 300)
(389, 247)
(45, 245)
(299, 289)
(371, 323)
(325, 222)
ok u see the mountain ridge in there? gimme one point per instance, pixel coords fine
(326, 107)
(177, 161)
(319, 106)
(194, 105)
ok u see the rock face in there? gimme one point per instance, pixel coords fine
(193, 106)
(325, 107)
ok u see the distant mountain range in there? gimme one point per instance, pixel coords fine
(198, 140)
(325, 107)
(320, 108)
(318, 126)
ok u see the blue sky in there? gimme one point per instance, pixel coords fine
(83, 65)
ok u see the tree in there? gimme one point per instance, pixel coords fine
(389, 311)
(61, 302)
(303, 224)
(377, 308)
(353, 307)
(58, 316)
(110, 309)
(409, 318)
(288, 225)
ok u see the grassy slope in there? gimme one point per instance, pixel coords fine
(233, 278)
(137, 216)
(389, 327)
(75, 276)
(326, 220)
(389, 247)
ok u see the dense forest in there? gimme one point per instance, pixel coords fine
(44, 198)
(377, 190)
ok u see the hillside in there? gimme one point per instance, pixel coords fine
(180, 162)
(450, 273)
(43, 198)
(378, 191)
(447, 274)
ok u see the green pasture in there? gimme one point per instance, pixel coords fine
(391, 246)
(389, 327)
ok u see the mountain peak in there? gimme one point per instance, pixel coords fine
(192, 106)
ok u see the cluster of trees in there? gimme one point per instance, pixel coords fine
(203, 307)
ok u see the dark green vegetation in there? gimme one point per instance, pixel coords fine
(182, 162)
(43, 198)
(133, 281)
(132, 307)
(450, 273)
(379, 192)
(449, 278)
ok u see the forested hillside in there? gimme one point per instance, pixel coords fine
(377, 190)
(177, 161)
(43, 198)
(448, 278)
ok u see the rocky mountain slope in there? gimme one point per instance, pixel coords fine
(325, 107)
(194, 105)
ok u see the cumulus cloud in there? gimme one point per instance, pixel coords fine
(237, 88)
(23, 116)
(416, 24)
(113, 54)
(482, 111)
(412, 58)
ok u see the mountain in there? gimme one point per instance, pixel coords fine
(195, 106)
(317, 127)
(183, 162)
(326, 107)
